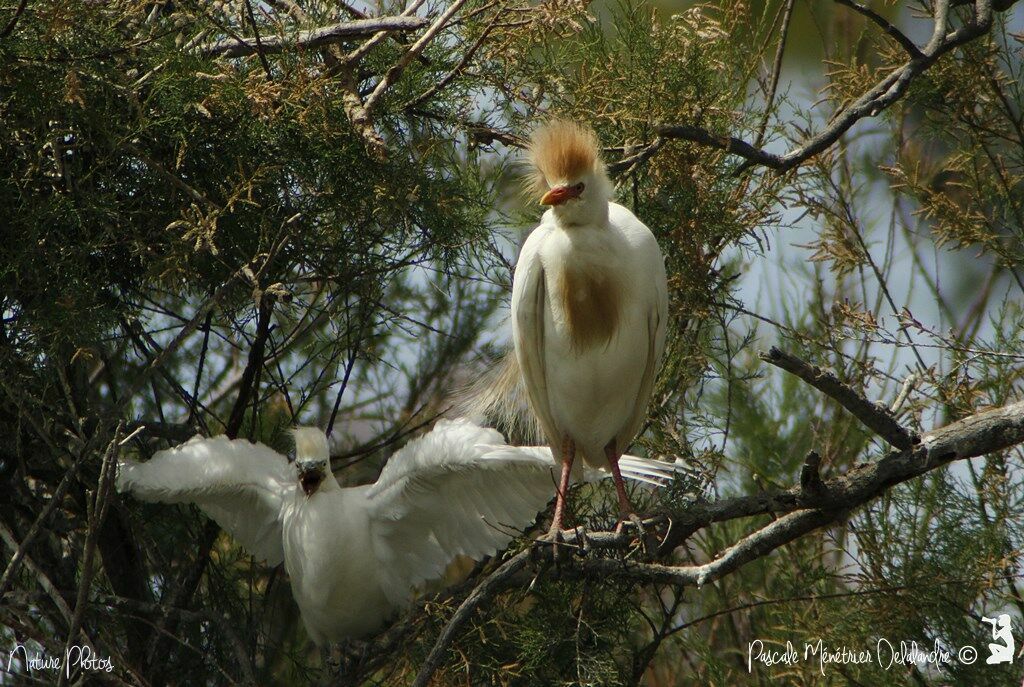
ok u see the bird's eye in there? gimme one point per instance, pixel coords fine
(578, 187)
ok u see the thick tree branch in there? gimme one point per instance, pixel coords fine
(973, 436)
(755, 545)
(808, 508)
(729, 144)
(875, 417)
(977, 435)
(354, 57)
(344, 68)
(634, 158)
(311, 39)
(485, 591)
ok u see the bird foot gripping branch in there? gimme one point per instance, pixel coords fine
(631, 535)
(647, 537)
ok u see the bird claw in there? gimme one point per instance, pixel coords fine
(632, 519)
(555, 538)
(582, 540)
(646, 538)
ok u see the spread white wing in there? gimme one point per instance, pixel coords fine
(239, 484)
(446, 494)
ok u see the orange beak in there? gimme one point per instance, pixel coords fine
(559, 194)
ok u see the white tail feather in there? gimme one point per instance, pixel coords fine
(654, 472)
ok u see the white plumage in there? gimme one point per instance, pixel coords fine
(589, 309)
(357, 555)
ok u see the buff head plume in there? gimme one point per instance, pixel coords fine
(563, 151)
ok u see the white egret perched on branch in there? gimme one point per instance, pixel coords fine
(589, 309)
(358, 555)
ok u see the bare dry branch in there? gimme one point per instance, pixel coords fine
(730, 144)
(973, 436)
(414, 50)
(755, 545)
(458, 68)
(875, 417)
(311, 39)
(359, 53)
(876, 99)
(773, 78)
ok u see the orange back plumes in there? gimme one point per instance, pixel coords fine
(562, 150)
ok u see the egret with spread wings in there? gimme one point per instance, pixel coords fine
(589, 309)
(357, 555)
